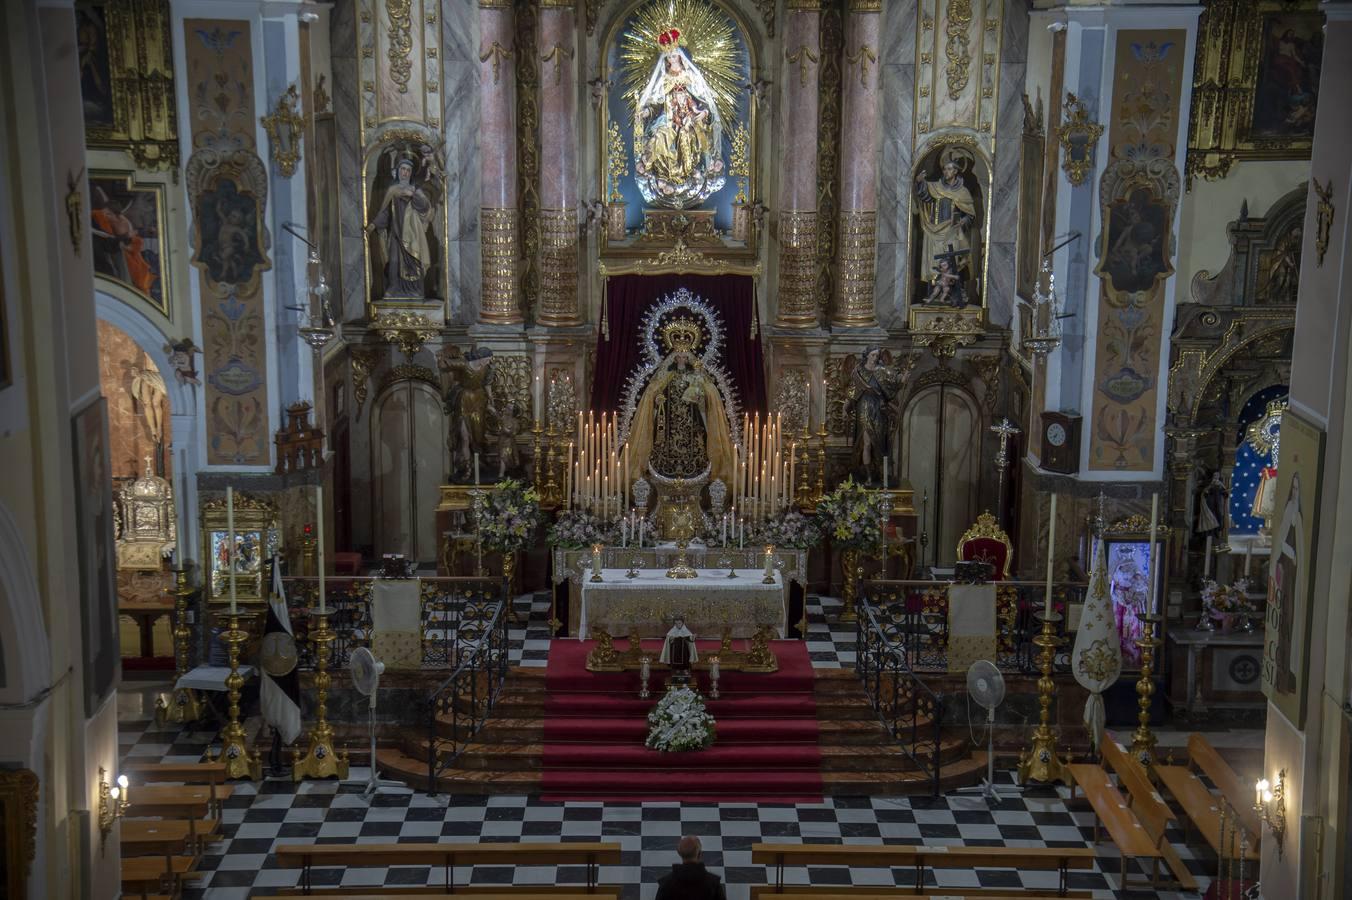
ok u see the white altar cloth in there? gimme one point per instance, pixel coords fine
(396, 622)
(972, 625)
(710, 603)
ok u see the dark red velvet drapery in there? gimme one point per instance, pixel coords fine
(628, 298)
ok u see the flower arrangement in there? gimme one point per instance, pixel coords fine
(680, 723)
(790, 530)
(508, 516)
(1226, 600)
(853, 516)
(578, 529)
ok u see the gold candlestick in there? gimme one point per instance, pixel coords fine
(804, 486)
(186, 706)
(821, 463)
(321, 760)
(509, 575)
(1143, 740)
(1040, 763)
(239, 762)
(551, 494)
(849, 563)
(537, 463)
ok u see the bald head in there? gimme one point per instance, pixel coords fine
(688, 848)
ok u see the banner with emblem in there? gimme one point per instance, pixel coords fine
(1096, 660)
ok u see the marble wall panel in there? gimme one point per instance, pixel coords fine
(347, 113)
(896, 104)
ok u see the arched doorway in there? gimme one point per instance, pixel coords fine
(408, 461)
(941, 433)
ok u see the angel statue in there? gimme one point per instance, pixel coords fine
(948, 221)
(680, 426)
(874, 386)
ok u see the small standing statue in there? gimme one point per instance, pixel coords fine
(873, 387)
(1211, 509)
(946, 288)
(467, 401)
(678, 651)
(401, 224)
(509, 426)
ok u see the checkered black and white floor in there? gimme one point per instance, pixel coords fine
(259, 817)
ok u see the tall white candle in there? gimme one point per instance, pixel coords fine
(885, 462)
(476, 468)
(230, 545)
(1154, 519)
(180, 531)
(1051, 552)
(319, 544)
(793, 463)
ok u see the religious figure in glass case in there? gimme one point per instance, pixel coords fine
(678, 132)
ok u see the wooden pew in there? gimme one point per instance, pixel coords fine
(143, 876)
(149, 837)
(1148, 806)
(447, 856)
(1112, 812)
(1201, 808)
(887, 856)
(174, 801)
(533, 892)
(208, 773)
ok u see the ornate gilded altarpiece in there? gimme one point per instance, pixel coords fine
(127, 79)
(678, 138)
(18, 829)
(1255, 83)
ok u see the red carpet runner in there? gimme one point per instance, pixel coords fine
(766, 749)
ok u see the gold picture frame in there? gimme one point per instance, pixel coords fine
(1078, 136)
(130, 237)
(285, 127)
(1255, 83)
(256, 537)
(127, 79)
(18, 829)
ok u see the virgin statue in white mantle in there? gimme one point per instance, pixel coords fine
(678, 131)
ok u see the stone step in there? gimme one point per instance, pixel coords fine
(516, 730)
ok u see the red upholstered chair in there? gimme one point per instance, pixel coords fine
(987, 542)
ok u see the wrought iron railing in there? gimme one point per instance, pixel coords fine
(914, 616)
(907, 707)
(458, 708)
(453, 613)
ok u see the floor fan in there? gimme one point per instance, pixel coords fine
(986, 685)
(366, 671)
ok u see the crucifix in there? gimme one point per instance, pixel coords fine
(1006, 430)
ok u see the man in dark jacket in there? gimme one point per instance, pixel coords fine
(689, 880)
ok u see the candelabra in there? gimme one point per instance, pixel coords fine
(1040, 762)
(821, 462)
(804, 486)
(1143, 740)
(536, 461)
(321, 760)
(552, 484)
(186, 705)
(239, 762)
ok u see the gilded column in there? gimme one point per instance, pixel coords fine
(499, 219)
(857, 248)
(558, 164)
(798, 177)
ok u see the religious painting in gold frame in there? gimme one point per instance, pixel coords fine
(127, 79)
(1126, 549)
(18, 830)
(256, 539)
(1255, 83)
(128, 228)
(695, 57)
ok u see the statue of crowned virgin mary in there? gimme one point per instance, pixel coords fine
(680, 427)
(678, 130)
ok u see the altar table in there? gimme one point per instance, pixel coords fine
(710, 603)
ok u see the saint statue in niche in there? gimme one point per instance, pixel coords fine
(678, 132)
(950, 230)
(405, 253)
(680, 427)
(874, 385)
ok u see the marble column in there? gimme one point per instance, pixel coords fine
(857, 247)
(558, 164)
(499, 218)
(798, 175)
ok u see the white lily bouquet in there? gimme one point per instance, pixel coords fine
(680, 723)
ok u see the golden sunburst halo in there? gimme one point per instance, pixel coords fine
(708, 35)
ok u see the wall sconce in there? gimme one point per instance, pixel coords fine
(1270, 804)
(112, 804)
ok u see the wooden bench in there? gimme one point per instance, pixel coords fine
(1201, 808)
(1149, 807)
(143, 876)
(174, 801)
(479, 892)
(1112, 812)
(447, 856)
(148, 837)
(208, 773)
(887, 856)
